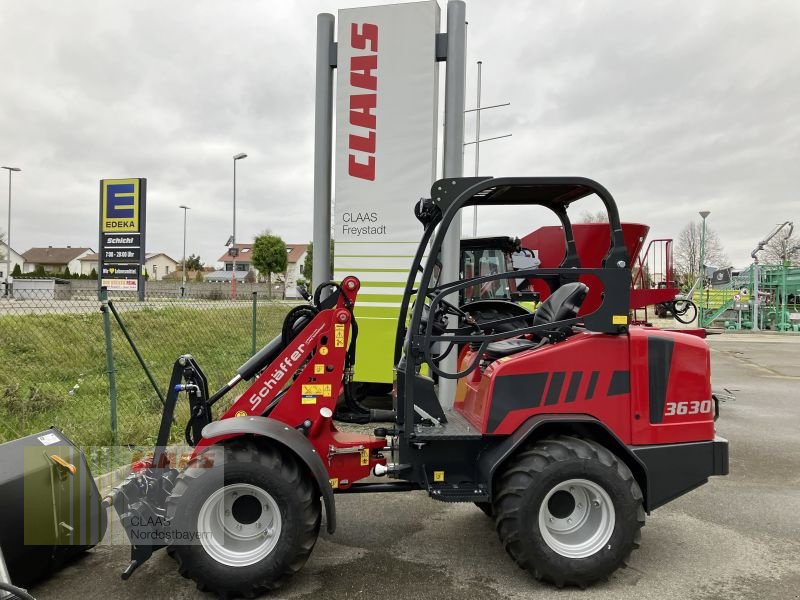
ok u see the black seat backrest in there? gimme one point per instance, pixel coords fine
(562, 304)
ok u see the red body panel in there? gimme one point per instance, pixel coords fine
(348, 456)
(689, 382)
(605, 376)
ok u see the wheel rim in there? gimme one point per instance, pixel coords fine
(576, 518)
(239, 524)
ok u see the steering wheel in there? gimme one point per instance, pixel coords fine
(450, 308)
(440, 325)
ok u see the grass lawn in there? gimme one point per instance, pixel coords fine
(53, 366)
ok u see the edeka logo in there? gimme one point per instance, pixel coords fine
(363, 76)
(120, 205)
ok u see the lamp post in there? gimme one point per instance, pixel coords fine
(8, 229)
(185, 209)
(703, 214)
(478, 141)
(233, 250)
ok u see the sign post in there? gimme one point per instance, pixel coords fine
(122, 235)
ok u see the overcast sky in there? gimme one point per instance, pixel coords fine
(675, 106)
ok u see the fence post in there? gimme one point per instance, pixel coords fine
(255, 308)
(112, 381)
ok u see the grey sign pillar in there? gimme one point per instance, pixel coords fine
(453, 161)
(323, 149)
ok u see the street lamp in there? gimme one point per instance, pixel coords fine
(478, 141)
(8, 229)
(185, 209)
(703, 214)
(232, 250)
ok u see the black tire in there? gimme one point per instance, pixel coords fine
(535, 472)
(265, 467)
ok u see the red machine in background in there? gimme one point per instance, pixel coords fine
(652, 276)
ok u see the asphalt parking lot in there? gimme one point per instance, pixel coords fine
(737, 537)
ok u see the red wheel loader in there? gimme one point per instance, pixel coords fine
(566, 429)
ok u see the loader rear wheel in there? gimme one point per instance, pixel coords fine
(242, 526)
(568, 510)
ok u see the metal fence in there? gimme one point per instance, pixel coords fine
(53, 368)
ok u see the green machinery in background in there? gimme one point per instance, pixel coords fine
(731, 305)
(762, 297)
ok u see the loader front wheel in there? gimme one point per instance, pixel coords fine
(243, 518)
(568, 510)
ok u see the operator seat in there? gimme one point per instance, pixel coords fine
(562, 304)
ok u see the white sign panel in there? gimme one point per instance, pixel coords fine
(123, 285)
(386, 130)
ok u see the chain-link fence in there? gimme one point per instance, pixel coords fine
(53, 367)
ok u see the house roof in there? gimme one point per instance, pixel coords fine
(53, 256)
(94, 256)
(295, 252)
(244, 254)
(7, 247)
(149, 255)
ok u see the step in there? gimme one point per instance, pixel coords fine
(458, 494)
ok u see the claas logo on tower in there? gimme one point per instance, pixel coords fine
(120, 205)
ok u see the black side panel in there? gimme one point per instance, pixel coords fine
(514, 392)
(289, 437)
(574, 384)
(425, 397)
(674, 469)
(620, 383)
(592, 385)
(554, 391)
(659, 360)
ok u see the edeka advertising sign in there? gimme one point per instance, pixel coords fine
(386, 113)
(122, 233)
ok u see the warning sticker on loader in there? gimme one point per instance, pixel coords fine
(319, 369)
(308, 399)
(365, 457)
(619, 320)
(316, 389)
(338, 335)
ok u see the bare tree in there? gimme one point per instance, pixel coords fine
(593, 217)
(2, 241)
(781, 248)
(687, 252)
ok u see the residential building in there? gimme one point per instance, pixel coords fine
(158, 265)
(294, 269)
(88, 263)
(244, 261)
(6, 253)
(296, 255)
(54, 260)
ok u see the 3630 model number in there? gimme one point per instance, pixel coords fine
(689, 407)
